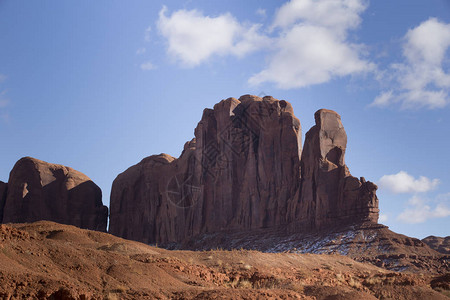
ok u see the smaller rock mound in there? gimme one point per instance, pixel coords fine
(38, 190)
(440, 244)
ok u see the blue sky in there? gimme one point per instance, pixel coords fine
(99, 85)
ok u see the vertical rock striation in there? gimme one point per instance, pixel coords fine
(243, 171)
(38, 190)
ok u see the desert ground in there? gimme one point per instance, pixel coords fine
(46, 260)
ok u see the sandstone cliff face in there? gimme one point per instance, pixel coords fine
(237, 173)
(242, 171)
(38, 190)
(329, 195)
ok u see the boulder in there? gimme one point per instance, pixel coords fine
(38, 190)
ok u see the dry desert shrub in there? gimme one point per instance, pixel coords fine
(371, 281)
(245, 284)
(340, 277)
(354, 283)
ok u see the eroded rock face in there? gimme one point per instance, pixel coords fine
(38, 190)
(329, 195)
(238, 172)
(242, 171)
(3, 190)
(440, 244)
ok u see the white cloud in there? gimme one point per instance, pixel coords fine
(194, 38)
(312, 46)
(309, 55)
(420, 211)
(382, 100)
(421, 81)
(307, 42)
(140, 51)
(335, 15)
(147, 66)
(383, 218)
(402, 182)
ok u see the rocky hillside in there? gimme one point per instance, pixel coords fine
(245, 170)
(45, 260)
(371, 243)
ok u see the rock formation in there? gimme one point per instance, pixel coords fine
(440, 244)
(243, 172)
(38, 190)
(330, 196)
(237, 173)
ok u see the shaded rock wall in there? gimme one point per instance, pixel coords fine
(38, 190)
(242, 171)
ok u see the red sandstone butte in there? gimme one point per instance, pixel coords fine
(244, 170)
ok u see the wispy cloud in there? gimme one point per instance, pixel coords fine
(147, 34)
(420, 210)
(402, 182)
(147, 66)
(140, 51)
(193, 38)
(420, 81)
(2, 77)
(261, 12)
